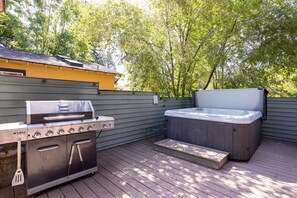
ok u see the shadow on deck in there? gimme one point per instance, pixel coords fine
(136, 170)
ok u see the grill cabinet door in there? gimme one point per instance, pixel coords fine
(46, 160)
(87, 145)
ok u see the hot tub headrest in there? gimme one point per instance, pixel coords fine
(254, 99)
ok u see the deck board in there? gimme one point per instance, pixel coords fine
(54, 193)
(43, 195)
(99, 190)
(121, 184)
(248, 177)
(69, 191)
(166, 176)
(118, 171)
(227, 174)
(187, 172)
(188, 169)
(183, 176)
(111, 187)
(136, 170)
(148, 180)
(149, 175)
(83, 189)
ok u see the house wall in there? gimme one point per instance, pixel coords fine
(134, 112)
(105, 80)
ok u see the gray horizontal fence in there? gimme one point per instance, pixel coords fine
(134, 112)
(14, 91)
(11, 84)
(281, 120)
(134, 115)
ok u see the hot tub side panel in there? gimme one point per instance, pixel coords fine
(255, 136)
(210, 134)
(240, 140)
(246, 139)
(219, 136)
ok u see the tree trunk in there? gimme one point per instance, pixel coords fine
(210, 77)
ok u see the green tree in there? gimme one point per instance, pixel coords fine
(11, 31)
(44, 27)
(267, 57)
(170, 46)
(178, 46)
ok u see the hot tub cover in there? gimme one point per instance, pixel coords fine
(218, 115)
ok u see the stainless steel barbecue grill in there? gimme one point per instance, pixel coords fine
(60, 141)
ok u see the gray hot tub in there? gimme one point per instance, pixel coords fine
(228, 120)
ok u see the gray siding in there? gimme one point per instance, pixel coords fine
(134, 111)
(134, 114)
(281, 120)
(14, 91)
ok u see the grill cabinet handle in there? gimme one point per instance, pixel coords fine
(82, 142)
(48, 148)
(63, 117)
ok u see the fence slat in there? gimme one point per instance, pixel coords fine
(134, 111)
(281, 120)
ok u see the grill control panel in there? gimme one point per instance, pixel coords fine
(61, 132)
(12, 132)
(36, 131)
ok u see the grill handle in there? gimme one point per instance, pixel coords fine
(82, 142)
(48, 148)
(63, 117)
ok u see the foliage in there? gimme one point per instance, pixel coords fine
(169, 46)
(47, 27)
(175, 47)
(267, 58)
(11, 33)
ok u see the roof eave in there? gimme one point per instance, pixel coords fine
(62, 66)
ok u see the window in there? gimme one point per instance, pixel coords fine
(12, 72)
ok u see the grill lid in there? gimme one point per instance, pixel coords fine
(58, 110)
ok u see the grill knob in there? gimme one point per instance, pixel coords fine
(36, 135)
(81, 129)
(90, 128)
(104, 126)
(71, 130)
(61, 132)
(49, 133)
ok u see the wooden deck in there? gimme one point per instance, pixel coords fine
(136, 170)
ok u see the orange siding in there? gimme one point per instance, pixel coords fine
(106, 80)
